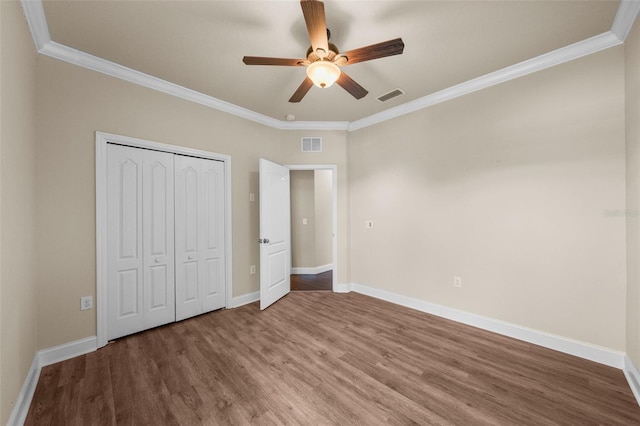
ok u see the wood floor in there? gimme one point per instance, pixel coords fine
(320, 358)
(318, 282)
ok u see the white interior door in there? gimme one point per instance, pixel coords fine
(275, 233)
(199, 236)
(140, 241)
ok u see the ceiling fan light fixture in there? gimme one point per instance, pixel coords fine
(323, 73)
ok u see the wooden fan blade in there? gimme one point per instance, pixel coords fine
(302, 90)
(375, 51)
(258, 60)
(350, 85)
(314, 17)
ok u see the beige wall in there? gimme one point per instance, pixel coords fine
(18, 309)
(632, 97)
(323, 195)
(508, 188)
(303, 237)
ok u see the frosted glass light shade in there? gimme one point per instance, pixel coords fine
(323, 73)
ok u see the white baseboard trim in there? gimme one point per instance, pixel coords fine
(245, 299)
(342, 288)
(569, 346)
(633, 377)
(312, 270)
(21, 407)
(42, 359)
(67, 351)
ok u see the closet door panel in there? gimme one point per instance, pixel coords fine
(188, 215)
(200, 275)
(158, 238)
(213, 226)
(124, 241)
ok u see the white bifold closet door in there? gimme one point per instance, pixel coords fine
(140, 246)
(165, 248)
(200, 256)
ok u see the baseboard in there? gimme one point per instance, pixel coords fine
(42, 359)
(633, 377)
(577, 348)
(67, 351)
(245, 299)
(341, 288)
(23, 402)
(312, 270)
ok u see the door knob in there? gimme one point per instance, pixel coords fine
(157, 260)
(263, 241)
(190, 257)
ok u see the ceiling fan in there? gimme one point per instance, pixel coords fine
(324, 60)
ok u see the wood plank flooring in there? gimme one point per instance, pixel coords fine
(317, 282)
(320, 358)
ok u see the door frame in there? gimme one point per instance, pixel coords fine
(334, 211)
(102, 139)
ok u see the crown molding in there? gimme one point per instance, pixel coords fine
(547, 60)
(314, 125)
(36, 19)
(86, 60)
(625, 18)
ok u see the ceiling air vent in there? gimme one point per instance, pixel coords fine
(311, 144)
(392, 94)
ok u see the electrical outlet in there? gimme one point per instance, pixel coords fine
(252, 197)
(369, 224)
(252, 269)
(305, 221)
(457, 281)
(86, 302)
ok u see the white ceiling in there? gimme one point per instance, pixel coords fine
(199, 45)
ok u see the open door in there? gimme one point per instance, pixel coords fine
(275, 233)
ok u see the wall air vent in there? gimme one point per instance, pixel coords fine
(312, 144)
(392, 94)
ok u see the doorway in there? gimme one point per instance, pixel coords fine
(313, 228)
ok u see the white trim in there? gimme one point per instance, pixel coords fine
(245, 299)
(334, 211)
(67, 351)
(547, 60)
(313, 125)
(42, 359)
(34, 11)
(625, 17)
(577, 348)
(312, 270)
(342, 288)
(37, 21)
(101, 220)
(633, 377)
(23, 402)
